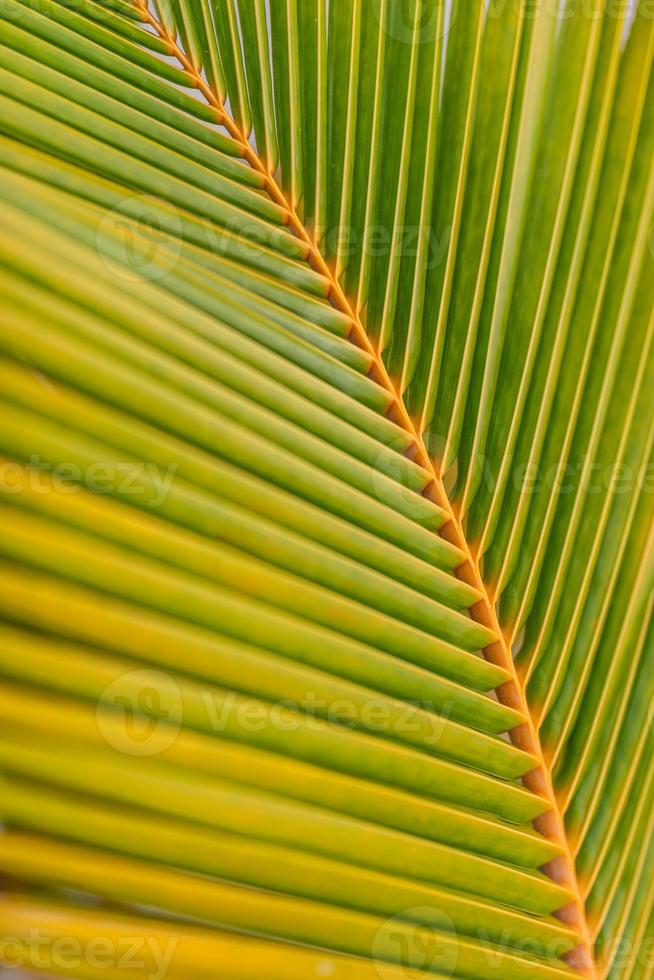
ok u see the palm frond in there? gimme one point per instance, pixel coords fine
(326, 516)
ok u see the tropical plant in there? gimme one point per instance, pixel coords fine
(326, 519)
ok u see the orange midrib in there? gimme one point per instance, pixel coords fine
(512, 693)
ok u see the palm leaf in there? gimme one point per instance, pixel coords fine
(326, 515)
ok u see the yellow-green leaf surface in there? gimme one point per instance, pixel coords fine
(326, 505)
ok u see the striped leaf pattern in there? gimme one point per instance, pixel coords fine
(326, 504)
